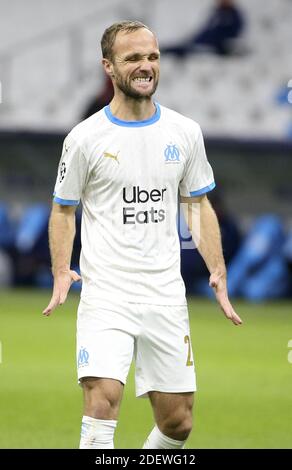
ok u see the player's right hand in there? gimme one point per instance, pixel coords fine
(62, 284)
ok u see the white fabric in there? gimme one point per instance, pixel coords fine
(97, 433)
(158, 337)
(128, 176)
(158, 440)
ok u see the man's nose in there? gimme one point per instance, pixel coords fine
(145, 65)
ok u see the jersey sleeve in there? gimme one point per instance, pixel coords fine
(72, 174)
(198, 177)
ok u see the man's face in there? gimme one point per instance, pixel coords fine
(136, 63)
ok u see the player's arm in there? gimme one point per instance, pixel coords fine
(210, 248)
(61, 238)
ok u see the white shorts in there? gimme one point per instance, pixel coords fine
(157, 336)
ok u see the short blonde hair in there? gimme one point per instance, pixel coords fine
(109, 35)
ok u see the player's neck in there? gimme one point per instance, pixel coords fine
(129, 109)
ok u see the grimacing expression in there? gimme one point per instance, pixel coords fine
(135, 64)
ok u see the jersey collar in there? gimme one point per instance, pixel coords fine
(120, 122)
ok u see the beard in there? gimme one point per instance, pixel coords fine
(125, 86)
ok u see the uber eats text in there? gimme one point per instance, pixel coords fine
(136, 195)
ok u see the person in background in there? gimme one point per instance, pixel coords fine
(224, 25)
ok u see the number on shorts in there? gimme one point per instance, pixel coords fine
(189, 361)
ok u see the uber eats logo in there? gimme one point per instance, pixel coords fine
(136, 195)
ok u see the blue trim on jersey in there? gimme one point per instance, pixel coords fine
(204, 190)
(65, 202)
(120, 122)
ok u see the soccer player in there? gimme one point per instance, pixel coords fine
(127, 164)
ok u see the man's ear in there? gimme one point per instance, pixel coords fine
(108, 67)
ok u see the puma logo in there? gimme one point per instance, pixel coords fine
(110, 155)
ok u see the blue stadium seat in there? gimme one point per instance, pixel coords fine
(6, 227)
(31, 226)
(259, 270)
(269, 282)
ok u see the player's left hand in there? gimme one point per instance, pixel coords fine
(218, 283)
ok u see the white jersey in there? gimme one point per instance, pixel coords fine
(128, 176)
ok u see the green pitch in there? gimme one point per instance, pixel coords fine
(243, 373)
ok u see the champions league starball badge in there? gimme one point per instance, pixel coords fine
(62, 171)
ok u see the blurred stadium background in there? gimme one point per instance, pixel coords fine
(49, 74)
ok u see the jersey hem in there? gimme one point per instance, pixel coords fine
(182, 302)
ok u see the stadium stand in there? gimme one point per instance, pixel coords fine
(50, 71)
